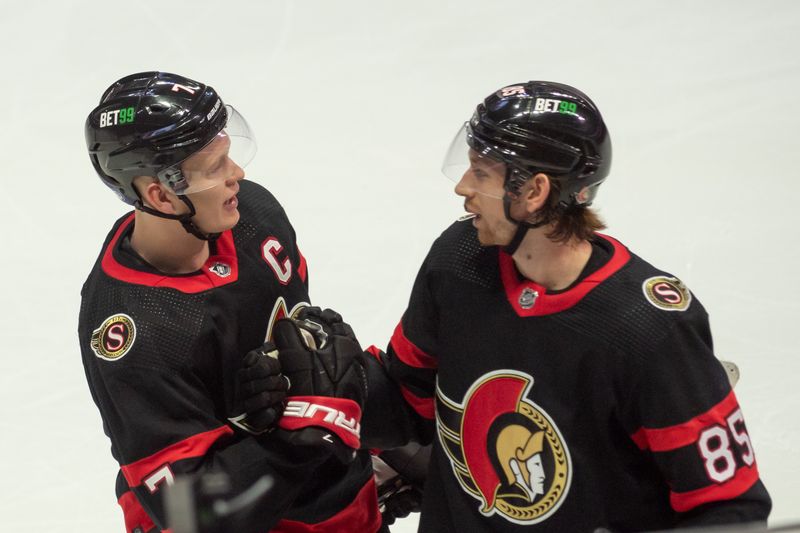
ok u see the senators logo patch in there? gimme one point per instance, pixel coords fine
(669, 294)
(114, 338)
(280, 310)
(505, 451)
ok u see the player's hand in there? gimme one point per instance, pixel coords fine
(397, 498)
(328, 384)
(330, 321)
(400, 476)
(339, 350)
(260, 390)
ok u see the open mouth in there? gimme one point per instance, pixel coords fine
(231, 202)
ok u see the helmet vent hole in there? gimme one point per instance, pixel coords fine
(157, 109)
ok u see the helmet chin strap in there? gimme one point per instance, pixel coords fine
(516, 240)
(522, 225)
(185, 219)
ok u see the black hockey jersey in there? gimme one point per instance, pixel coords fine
(599, 406)
(161, 354)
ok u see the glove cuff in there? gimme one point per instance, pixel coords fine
(340, 416)
(244, 421)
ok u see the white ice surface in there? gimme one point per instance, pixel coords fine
(354, 104)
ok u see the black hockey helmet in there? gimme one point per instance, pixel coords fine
(539, 126)
(150, 122)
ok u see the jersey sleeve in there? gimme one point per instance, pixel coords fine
(409, 365)
(684, 413)
(164, 421)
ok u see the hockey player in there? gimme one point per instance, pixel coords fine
(566, 383)
(175, 314)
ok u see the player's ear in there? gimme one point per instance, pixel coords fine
(154, 194)
(533, 194)
(540, 190)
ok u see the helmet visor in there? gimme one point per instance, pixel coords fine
(222, 158)
(473, 165)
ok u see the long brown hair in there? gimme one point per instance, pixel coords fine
(568, 222)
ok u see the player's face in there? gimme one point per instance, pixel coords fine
(536, 471)
(482, 189)
(217, 205)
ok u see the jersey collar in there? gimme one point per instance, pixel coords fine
(219, 269)
(531, 299)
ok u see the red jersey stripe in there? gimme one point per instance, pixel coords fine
(361, 515)
(408, 352)
(745, 478)
(680, 435)
(302, 268)
(640, 439)
(194, 446)
(134, 513)
(375, 352)
(423, 406)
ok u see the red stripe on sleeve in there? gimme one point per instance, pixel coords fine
(408, 352)
(745, 478)
(640, 439)
(134, 513)
(375, 352)
(194, 446)
(423, 406)
(302, 268)
(680, 435)
(360, 515)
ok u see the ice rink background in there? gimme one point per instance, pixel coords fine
(354, 104)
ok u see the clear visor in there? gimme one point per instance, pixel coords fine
(468, 163)
(218, 161)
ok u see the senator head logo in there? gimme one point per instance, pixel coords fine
(505, 451)
(114, 338)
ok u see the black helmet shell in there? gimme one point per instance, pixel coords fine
(548, 127)
(148, 122)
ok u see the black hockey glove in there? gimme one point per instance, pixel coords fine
(327, 385)
(397, 499)
(260, 390)
(400, 475)
(329, 320)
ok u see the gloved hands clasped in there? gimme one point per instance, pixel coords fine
(260, 390)
(323, 361)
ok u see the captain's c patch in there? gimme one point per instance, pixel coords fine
(114, 338)
(669, 294)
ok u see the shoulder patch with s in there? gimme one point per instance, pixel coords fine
(114, 338)
(669, 294)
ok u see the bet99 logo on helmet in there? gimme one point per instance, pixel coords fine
(117, 116)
